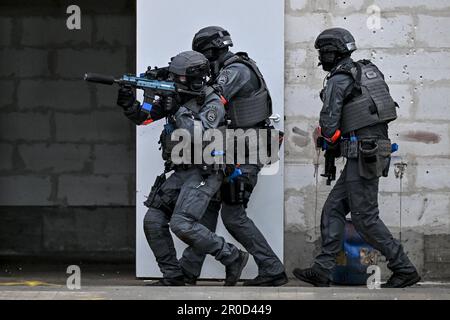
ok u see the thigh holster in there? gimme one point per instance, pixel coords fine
(237, 191)
(158, 199)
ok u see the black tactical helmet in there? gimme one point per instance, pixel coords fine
(189, 64)
(189, 69)
(336, 39)
(211, 37)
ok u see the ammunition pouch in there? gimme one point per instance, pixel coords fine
(349, 149)
(373, 157)
(166, 142)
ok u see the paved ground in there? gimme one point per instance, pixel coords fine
(118, 282)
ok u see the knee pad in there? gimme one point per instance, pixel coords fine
(182, 227)
(179, 225)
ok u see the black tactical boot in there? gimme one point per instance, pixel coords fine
(268, 281)
(189, 278)
(168, 282)
(312, 276)
(234, 270)
(402, 280)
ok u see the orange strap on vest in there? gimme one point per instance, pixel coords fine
(334, 138)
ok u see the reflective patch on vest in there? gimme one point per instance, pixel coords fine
(371, 74)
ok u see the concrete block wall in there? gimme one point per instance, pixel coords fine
(412, 48)
(67, 152)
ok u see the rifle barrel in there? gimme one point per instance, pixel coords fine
(99, 78)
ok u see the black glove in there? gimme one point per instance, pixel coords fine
(170, 105)
(334, 149)
(126, 98)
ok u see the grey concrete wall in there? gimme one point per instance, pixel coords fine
(65, 146)
(67, 234)
(412, 48)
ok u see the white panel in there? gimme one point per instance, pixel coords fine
(165, 28)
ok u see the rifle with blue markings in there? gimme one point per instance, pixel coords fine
(154, 81)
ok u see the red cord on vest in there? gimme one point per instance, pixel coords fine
(223, 100)
(146, 122)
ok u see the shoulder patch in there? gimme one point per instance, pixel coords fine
(211, 115)
(223, 78)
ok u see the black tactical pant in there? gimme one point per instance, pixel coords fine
(191, 193)
(243, 229)
(358, 196)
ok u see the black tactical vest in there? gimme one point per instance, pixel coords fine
(246, 112)
(193, 105)
(372, 103)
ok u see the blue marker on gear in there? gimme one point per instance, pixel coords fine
(236, 173)
(394, 147)
(147, 107)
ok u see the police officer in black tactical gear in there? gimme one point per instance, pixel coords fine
(357, 108)
(248, 104)
(180, 201)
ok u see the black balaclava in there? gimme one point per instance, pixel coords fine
(216, 58)
(327, 60)
(330, 57)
